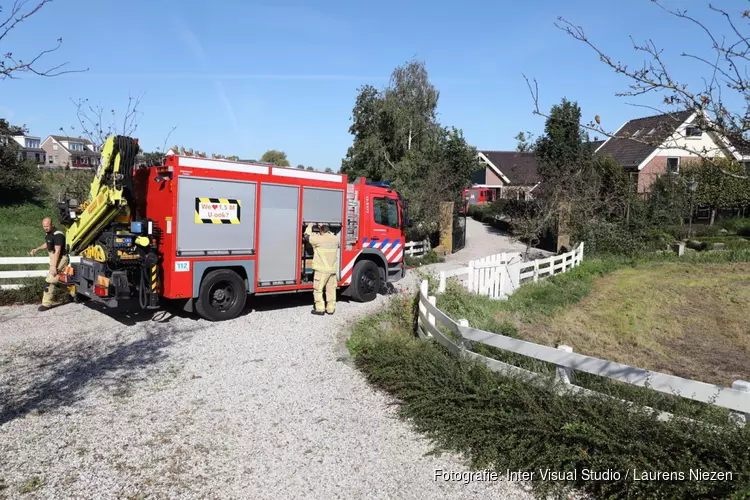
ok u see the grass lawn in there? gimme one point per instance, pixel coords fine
(684, 316)
(683, 319)
(21, 228)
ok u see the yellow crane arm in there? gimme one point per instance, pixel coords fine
(109, 196)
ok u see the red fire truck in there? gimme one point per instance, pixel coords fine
(478, 195)
(211, 232)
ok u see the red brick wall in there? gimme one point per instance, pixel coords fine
(649, 173)
(492, 179)
(656, 167)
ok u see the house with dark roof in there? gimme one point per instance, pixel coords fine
(73, 152)
(509, 174)
(654, 145)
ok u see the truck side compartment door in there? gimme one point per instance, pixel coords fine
(279, 235)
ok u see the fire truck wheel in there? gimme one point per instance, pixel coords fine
(365, 281)
(222, 295)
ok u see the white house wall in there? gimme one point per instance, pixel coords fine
(677, 144)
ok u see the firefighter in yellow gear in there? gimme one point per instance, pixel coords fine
(58, 260)
(325, 266)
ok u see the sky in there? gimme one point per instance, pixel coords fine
(241, 77)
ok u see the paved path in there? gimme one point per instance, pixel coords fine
(483, 240)
(101, 405)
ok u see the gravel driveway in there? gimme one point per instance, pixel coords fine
(94, 405)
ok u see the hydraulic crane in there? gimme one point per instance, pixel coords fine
(117, 248)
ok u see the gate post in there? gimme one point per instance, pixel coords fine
(446, 226)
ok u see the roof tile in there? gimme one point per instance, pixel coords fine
(651, 131)
(519, 168)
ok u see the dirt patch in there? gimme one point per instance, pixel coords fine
(686, 320)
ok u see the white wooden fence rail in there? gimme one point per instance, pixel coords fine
(32, 273)
(735, 398)
(498, 276)
(417, 248)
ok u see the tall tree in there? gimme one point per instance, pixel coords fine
(390, 123)
(561, 151)
(525, 142)
(397, 138)
(275, 157)
(13, 64)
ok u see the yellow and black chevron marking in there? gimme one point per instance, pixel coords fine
(198, 202)
(154, 277)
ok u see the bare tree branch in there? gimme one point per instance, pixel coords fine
(9, 64)
(728, 68)
(91, 120)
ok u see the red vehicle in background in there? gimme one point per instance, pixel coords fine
(477, 196)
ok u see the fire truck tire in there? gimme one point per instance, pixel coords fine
(365, 281)
(222, 295)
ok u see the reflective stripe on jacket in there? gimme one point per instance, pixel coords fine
(325, 259)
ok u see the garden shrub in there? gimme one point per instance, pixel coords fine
(610, 238)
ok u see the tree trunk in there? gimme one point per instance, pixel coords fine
(713, 216)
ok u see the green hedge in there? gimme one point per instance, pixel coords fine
(500, 423)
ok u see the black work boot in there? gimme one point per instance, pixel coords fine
(318, 313)
(43, 308)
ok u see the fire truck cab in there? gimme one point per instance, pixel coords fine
(213, 232)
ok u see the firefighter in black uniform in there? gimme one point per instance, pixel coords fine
(58, 260)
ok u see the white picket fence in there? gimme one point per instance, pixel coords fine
(735, 398)
(417, 248)
(31, 273)
(498, 276)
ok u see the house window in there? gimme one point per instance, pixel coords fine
(386, 212)
(54, 146)
(673, 165)
(693, 131)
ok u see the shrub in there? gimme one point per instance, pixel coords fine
(681, 231)
(734, 224)
(610, 238)
(430, 257)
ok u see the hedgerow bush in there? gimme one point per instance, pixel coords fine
(610, 238)
(734, 224)
(502, 423)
